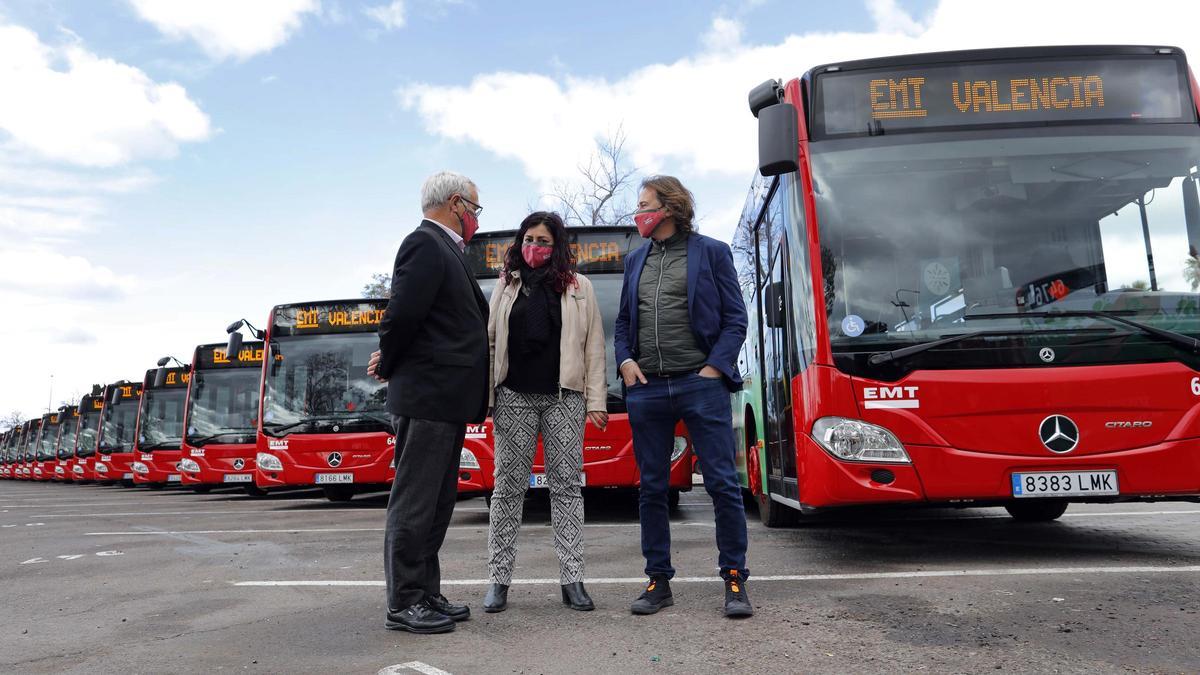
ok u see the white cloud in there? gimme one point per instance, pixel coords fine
(228, 28)
(691, 117)
(39, 272)
(390, 16)
(65, 103)
(723, 35)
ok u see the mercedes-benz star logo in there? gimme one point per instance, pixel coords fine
(1059, 434)
(1046, 354)
(238, 464)
(334, 459)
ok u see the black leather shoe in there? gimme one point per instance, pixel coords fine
(419, 619)
(440, 604)
(737, 600)
(496, 599)
(575, 597)
(656, 596)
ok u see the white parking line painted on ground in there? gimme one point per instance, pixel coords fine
(285, 530)
(853, 576)
(196, 513)
(154, 502)
(418, 666)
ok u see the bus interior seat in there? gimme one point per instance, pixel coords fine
(991, 289)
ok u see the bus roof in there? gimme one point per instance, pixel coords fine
(999, 53)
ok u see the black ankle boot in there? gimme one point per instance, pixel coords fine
(576, 597)
(496, 599)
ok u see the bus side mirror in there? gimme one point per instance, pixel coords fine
(160, 377)
(115, 397)
(234, 346)
(778, 139)
(773, 299)
(1191, 214)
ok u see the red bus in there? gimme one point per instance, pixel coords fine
(44, 459)
(83, 463)
(324, 421)
(8, 452)
(29, 448)
(972, 279)
(159, 438)
(64, 444)
(608, 460)
(219, 418)
(118, 422)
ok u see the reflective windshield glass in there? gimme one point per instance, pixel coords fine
(119, 422)
(317, 382)
(223, 406)
(85, 441)
(66, 438)
(162, 419)
(31, 442)
(955, 233)
(46, 447)
(608, 294)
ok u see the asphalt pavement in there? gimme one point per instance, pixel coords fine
(99, 579)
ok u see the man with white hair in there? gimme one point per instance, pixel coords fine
(433, 353)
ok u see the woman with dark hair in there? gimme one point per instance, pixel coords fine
(547, 345)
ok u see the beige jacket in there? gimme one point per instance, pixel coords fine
(581, 348)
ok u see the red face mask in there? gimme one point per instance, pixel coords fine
(648, 221)
(469, 222)
(536, 255)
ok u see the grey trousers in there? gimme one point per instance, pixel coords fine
(518, 420)
(419, 507)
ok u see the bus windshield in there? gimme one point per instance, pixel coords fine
(162, 419)
(66, 438)
(223, 406)
(318, 382)
(85, 440)
(46, 449)
(952, 233)
(119, 422)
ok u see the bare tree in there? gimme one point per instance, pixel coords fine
(380, 286)
(603, 193)
(12, 419)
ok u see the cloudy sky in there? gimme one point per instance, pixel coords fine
(170, 166)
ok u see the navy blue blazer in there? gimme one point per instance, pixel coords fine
(715, 306)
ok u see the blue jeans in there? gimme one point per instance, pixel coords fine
(704, 406)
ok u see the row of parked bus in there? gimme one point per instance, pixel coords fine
(293, 406)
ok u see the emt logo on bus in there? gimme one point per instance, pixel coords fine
(245, 355)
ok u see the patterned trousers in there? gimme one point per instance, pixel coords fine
(518, 419)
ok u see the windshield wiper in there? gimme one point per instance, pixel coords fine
(1179, 339)
(161, 444)
(887, 357)
(328, 419)
(211, 437)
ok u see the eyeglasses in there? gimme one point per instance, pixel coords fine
(476, 208)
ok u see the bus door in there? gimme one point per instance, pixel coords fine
(778, 350)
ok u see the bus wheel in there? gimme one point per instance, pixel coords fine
(774, 514)
(255, 491)
(156, 486)
(1036, 511)
(202, 489)
(487, 499)
(339, 493)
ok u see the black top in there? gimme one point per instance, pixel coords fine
(434, 333)
(533, 369)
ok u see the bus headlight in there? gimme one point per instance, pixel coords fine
(681, 445)
(101, 468)
(856, 441)
(138, 467)
(467, 460)
(189, 465)
(268, 461)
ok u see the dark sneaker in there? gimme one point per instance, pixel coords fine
(656, 596)
(737, 601)
(439, 603)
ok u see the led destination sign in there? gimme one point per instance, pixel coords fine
(176, 378)
(332, 317)
(1109, 89)
(214, 356)
(595, 252)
